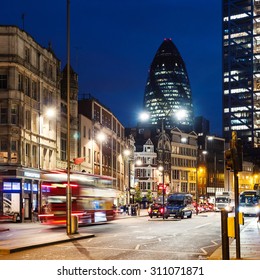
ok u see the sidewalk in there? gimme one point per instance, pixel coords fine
(12, 245)
(8, 246)
(249, 244)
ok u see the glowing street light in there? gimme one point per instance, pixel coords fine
(50, 112)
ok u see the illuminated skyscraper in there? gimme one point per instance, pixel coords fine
(241, 73)
(167, 95)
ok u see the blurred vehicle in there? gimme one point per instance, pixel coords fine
(92, 198)
(10, 217)
(156, 209)
(179, 205)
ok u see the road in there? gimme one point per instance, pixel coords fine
(139, 238)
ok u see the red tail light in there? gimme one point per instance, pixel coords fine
(162, 210)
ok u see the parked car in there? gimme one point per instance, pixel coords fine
(156, 209)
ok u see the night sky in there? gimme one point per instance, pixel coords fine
(114, 42)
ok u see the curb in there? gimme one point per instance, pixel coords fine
(57, 241)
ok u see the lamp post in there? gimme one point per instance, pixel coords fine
(161, 168)
(68, 188)
(127, 153)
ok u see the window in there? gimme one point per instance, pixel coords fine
(13, 146)
(45, 96)
(3, 81)
(34, 90)
(34, 122)
(3, 145)
(51, 71)
(14, 154)
(89, 155)
(27, 150)
(27, 119)
(63, 146)
(34, 156)
(3, 114)
(14, 114)
(27, 54)
(27, 86)
(45, 67)
(20, 82)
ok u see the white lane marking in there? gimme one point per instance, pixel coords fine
(200, 226)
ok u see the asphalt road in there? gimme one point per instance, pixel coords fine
(139, 238)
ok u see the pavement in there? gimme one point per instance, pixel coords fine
(249, 243)
(249, 239)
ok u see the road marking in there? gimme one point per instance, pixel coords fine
(137, 247)
(203, 225)
(209, 246)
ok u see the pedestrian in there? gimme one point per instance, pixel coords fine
(124, 209)
(138, 209)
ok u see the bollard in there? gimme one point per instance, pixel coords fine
(74, 224)
(224, 231)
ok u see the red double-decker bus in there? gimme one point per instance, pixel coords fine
(92, 198)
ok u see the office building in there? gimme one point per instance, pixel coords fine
(167, 95)
(241, 74)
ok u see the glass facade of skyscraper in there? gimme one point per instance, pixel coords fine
(167, 93)
(241, 71)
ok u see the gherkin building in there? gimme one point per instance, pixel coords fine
(167, 96)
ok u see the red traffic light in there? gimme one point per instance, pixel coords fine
(161, 186)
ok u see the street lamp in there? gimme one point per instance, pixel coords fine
(127, 153)
(68, 188)
(161, 169)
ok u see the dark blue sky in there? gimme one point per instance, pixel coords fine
(114, 42)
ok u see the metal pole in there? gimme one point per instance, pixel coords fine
(237, 227)
(68, 189)
(197, 182)
(101, 157)
(236, 189)
(163, 151)
(224, 231)
(215, 178)
(129, 181)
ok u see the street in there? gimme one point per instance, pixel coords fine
(132, 238)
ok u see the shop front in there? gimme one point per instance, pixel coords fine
(19, 195)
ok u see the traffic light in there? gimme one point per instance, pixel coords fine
(229, 160)
(161, 187)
